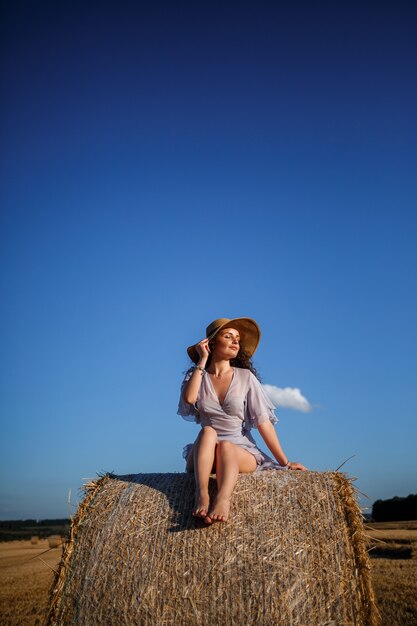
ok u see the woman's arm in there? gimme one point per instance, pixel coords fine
(270, 437)
(191, 389)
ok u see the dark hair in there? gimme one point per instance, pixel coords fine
(241, 360)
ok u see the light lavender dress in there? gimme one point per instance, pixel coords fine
(245, 405)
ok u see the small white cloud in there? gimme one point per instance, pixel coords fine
(288, 398)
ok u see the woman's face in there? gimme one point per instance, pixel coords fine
(227, 343)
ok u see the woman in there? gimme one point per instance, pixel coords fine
(223, 394)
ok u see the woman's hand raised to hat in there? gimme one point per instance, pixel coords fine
(203, 349)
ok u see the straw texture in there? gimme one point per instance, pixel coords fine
(293, 553)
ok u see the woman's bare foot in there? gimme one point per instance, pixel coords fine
(220, 510)
(201, 504)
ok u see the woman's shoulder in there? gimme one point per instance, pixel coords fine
(245, 374)
(249, 379)
(241, 371)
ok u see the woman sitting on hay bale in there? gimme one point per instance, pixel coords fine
(223, 394)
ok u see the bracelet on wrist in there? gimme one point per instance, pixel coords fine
(202, 370)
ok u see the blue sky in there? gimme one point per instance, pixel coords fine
(165, 164)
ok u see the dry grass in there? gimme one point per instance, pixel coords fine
(294, 552)
(24, 583)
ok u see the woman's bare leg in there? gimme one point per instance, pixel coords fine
(230, 461)
(201, 460)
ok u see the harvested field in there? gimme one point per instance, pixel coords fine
(394, 578)
(25, 581)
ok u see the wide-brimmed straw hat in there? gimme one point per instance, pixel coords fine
(249, 330)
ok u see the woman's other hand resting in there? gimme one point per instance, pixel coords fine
(296, 466)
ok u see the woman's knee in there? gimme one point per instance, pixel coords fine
(225, 447)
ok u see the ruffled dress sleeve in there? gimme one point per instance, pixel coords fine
(188, 411)
(259, 408)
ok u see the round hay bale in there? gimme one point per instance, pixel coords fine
(293, 553)
(54, 541)
(34, 540)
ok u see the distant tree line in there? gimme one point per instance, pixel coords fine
(17, 524)
(11, 530)
(395, 510)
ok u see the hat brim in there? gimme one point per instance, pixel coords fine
(249, 331)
